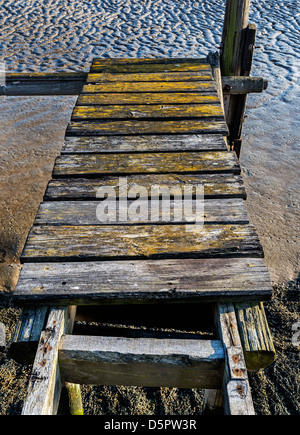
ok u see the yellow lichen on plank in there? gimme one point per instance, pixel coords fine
(93, 164)
(146, 127)
(201, 86)
(148, 98)
(150, 77)
(150, 111)
(48, 243)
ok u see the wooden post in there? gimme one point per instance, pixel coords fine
(236, 59)
(233, 39)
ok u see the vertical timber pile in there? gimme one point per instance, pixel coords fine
(237, 50)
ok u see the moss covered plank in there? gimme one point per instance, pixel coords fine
(92, 165)
(137, 127)
(148, 98)
(147, 111)
(150, 77)
(75, 243)
(123, 87)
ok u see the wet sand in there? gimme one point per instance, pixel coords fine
(61, 35)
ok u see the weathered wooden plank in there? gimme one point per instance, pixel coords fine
(71, 243)
(93, 165)
(255, 335)
(147, 111)
(119, 282)
(225, 211)
(154, 143)
(125, 87)
(45, 383)
(237, 392)
(148, 98)
(184, 76)
(148, 60)
(215, 185)
(43, 84)
(148, 65)
(27, 334)
(138, 127)
(141, 362)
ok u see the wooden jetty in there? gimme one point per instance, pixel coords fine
(144, 123)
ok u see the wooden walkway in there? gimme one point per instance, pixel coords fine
(144, 122)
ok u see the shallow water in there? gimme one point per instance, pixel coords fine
(52, 35)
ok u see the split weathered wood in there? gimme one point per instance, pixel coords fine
(142, 362)
(88, 283)
(225, 211)
(27, 334)
(87, 113)
(153, 143)
(45, 381)
(94, 165)
(72, 243)
(255, 335)
(237, 393)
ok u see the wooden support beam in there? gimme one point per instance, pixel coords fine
(32, 84)
(243, 85)
(45, 383)
(43, 84)
(255, 335)
(27, 334)
(141, 362)
(236, 388)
